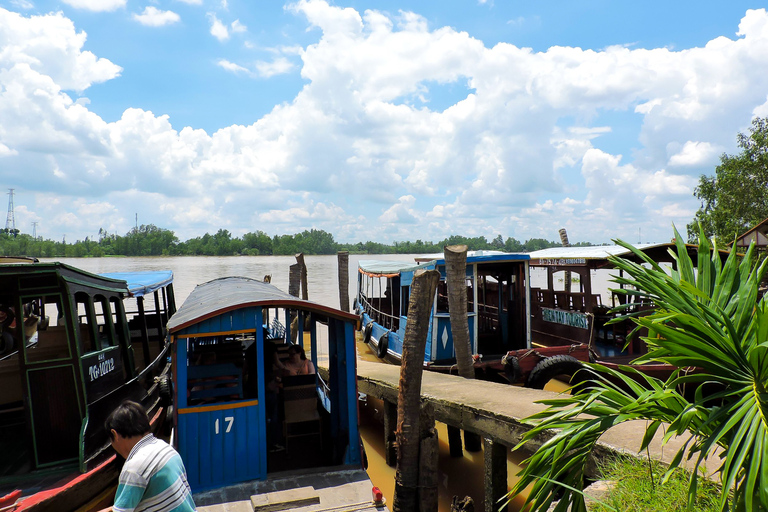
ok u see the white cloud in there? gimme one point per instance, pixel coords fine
(96, 5)
(153, 17)
(522, 152)
(218, 29)
(237, 27)
(23, 4)
(278, 66)
(191, 2)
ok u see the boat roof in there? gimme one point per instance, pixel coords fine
(226, 294)
(386, 268)
(389, 268)
(482, 256)
(595, 252)
(4, 260)
(143, 282)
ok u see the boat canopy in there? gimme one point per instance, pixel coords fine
(143, 283)
(483, 256)
(596, 252)
(225, 294)
(383, 268)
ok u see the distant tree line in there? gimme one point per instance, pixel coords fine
(150, 240)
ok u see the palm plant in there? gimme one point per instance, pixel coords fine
(707, 316)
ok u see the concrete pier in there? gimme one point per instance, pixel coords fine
(494, 411)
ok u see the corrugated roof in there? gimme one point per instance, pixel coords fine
(229, 293)
(144, 282)
(597, 252)
(385, 267)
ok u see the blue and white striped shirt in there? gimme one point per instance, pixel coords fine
(153, 479)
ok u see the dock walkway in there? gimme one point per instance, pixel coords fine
(495, 411)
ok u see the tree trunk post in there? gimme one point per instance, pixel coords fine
(428, 460)
(300, 261)
(390, 423)
(456, 281)
(564, 241)
(343, 261)
(495, 462)
(423, 290)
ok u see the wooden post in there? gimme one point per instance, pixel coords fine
(343, 259)
(423, 290)
(456, 280)
(300, 261)
(390, 423)
(495, 459)
(454, 441)
(564, 241)
(428, 457)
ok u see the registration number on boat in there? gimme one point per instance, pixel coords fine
(101, 368)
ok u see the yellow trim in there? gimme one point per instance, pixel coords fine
(222, 407)
(222, 333)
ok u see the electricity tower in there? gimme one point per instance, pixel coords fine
(10, 221)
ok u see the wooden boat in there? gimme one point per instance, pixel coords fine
(498, 312)
(562, 317)
(74, 358)
(228, 412)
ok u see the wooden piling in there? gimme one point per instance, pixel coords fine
(428, 460)
(423, 290)
(390, 424)
(454, 442)
(495, 463)
(456, 281)
(300, 261)
(343, 263)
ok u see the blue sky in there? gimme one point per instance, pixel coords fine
(372, 120)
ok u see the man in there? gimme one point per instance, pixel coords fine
(153, 476)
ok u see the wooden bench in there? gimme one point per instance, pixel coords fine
(215, 381)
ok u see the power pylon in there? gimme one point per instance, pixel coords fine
(34, 230)
(10, 221)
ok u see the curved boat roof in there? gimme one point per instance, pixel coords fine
(386, 268)
(143, 282)
(595, 252)
(226, 294)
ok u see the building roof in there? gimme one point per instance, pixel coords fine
(758, 234)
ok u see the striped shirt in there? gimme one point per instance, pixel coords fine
(153, 479)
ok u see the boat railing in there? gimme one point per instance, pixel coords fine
(385, 319)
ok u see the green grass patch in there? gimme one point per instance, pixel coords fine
(636, 490)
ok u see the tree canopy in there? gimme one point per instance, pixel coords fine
(151, 240)
(736, 197)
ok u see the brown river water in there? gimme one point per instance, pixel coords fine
(457, 476)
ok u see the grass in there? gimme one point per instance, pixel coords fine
(635, 490)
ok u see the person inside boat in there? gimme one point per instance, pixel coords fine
(7, 325)
(297, 363)
(153, 476)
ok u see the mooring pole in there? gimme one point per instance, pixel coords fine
(456, 281)
(343, 261)
(390, 425)
(300, 261)
(428, 460)
(495, 463)
(408, 436)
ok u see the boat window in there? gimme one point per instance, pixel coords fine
(215, 368)
(85, 322)
(104, 323)
(118, 317)
(45, 329)
(442, 296)
(405, 299)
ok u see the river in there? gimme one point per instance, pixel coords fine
(458, 476)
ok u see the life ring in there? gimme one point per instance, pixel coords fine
(367, 333)
(550, 367)
(381, 347)
(511, 368)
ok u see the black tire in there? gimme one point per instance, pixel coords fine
(367, 333)
(511, 368)
(551, 367)
(381, 347)
(166, 393)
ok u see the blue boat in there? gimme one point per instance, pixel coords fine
(497, 313)
(232, 424)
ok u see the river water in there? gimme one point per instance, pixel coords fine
(457, 476)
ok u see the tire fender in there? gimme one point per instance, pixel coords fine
(367, 333)
(381, 348)
(511, 368)
(550, 367)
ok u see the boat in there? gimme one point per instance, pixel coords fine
(229, 413)
(497, 313)
(73, 359)
(562, 317)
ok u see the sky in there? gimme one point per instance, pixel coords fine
(372, 120)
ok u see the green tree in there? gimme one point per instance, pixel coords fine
(709, 316)
(736, 197)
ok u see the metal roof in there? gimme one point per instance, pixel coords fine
(385, 267)
(482, 256)
(144, 282)
(226, 294)
(597, 252)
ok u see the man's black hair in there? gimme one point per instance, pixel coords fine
(129, 420)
